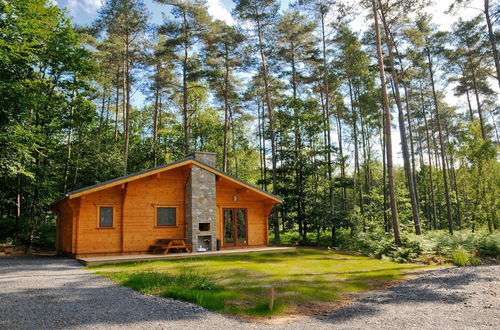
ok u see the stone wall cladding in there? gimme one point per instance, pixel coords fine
(200, 206)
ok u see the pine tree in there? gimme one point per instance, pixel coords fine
(183, 33)
(387, 126)
(126, 20)
(223, 56)
(261, 14)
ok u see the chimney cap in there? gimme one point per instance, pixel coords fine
(209, 158)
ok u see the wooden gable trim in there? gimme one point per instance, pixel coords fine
(188, 162)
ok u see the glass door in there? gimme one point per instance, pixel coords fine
(228, 227)
(241, 227)
(235, 227)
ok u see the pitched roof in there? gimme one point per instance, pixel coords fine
(159, 169)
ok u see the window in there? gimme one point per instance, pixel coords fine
(166, 216)
(106, 217)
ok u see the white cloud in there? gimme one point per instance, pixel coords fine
(77, 7)
(218, 11)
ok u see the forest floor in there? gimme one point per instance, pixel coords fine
(50, 292)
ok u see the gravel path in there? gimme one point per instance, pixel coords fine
(49, 292)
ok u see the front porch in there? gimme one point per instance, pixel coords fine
(91, 261)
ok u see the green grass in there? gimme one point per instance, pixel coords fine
(239, 284)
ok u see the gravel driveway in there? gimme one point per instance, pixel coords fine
(50, 292)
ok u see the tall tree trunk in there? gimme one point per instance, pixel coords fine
(117, 107)
(412, 147)
(402, 129)
(453, 181)
(342, 161)
(429, 156)
(384, 175)
(262, 157)
(478, 102)
(124, 96)
(101, 114)
(155, 116)
(366, 157)
(270, 116)
(327, 115)
(226, 110)
(441, 143)
(491, 37)
(388, 133)
(357, 187)
(185, 114)
(70, 144)
(233, 144)
(426, 190)
(356, 153)
(127, 107)
(298, 143)
(108, 106)
(471, 113)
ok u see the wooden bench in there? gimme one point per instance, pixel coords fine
(166, 245)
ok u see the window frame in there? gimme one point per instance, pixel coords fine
(168, 206)
(99, 206)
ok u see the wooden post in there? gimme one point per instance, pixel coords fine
(272, 293)
(124, 188)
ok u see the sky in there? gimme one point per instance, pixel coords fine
(84, 12)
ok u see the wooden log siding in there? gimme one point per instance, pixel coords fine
(134, 229)
(258, 210)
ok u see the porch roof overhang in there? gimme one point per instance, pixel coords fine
(184, 162)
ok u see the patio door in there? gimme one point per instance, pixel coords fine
(235, 227)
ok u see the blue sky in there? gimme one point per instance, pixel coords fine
(85, 11)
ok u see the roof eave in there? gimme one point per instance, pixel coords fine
(134, 176)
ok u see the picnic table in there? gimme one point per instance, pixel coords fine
(165, 245)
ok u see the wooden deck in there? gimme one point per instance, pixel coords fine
(92, 261)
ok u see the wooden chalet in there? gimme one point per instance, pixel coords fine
(188, 202)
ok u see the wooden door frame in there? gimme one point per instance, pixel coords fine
(235, 230)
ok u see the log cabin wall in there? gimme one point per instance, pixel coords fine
(231, 195)
(64, 228)
(136, 200)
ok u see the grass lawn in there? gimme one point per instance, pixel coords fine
(239, 284)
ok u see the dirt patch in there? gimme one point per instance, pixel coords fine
(324, 309)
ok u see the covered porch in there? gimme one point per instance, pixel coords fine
(91, 261)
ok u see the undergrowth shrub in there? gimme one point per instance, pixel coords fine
(378, 244)
(382, 245)
(490, 246)
(433, 243)
(294, 239)
(461, 257)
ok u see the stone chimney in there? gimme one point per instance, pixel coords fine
(209, 158)
(201, 204)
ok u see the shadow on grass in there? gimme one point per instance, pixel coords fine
(260, 257)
